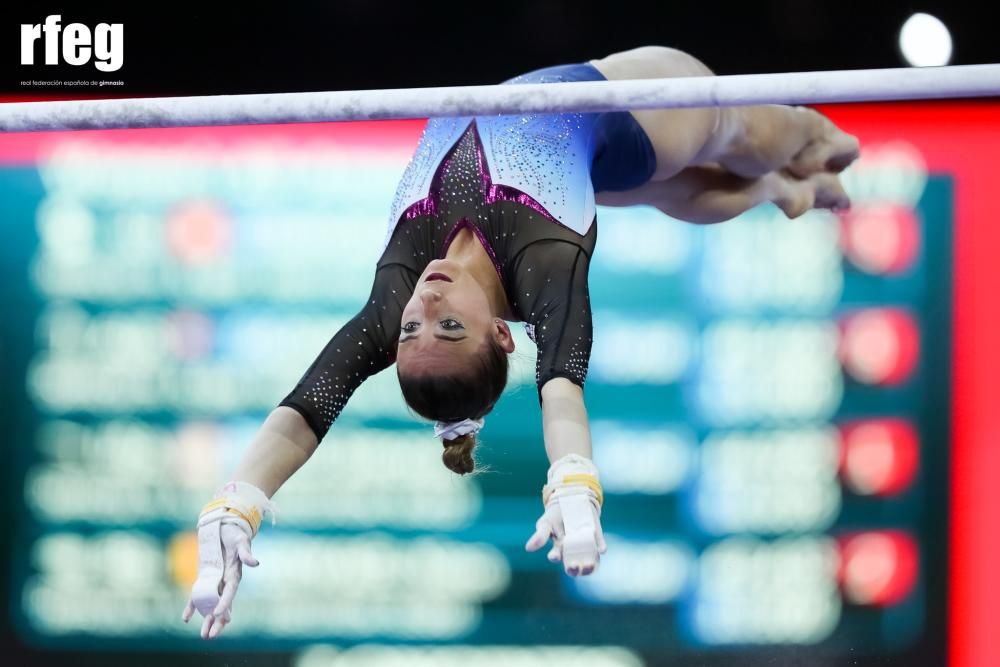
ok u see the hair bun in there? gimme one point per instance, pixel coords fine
(457, 454)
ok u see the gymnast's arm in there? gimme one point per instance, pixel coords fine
(361, 348)
(551, 279)
(562, 331)
(565, 427)
(282, 444)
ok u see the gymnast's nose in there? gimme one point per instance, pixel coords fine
(429, 297)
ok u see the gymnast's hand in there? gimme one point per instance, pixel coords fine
(225, 528)
(572, 517)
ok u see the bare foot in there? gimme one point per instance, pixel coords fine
(830, 193)
(830, 150)
(822, 190)
(797, 195)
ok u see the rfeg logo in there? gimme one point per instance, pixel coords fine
(78, 43)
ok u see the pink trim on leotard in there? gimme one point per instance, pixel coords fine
(492, 193)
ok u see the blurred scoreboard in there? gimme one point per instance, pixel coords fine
(770, 402)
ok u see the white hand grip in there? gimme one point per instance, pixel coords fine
(579, 548)
(205, 592)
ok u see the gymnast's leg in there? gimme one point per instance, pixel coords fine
(747, 141)
(713, 194)
(752, 141)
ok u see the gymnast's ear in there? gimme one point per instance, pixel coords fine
(502, 335)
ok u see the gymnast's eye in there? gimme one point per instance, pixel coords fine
(410, 327)
(451, 325)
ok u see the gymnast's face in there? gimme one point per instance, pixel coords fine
(446, 322)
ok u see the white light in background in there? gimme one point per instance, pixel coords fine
(925, 41)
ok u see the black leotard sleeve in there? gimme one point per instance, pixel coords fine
(549, 291)
(361, 348)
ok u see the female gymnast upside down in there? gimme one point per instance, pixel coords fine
(494, 221)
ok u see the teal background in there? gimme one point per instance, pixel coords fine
(535, 604)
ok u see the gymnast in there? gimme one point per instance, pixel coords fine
(494, 222)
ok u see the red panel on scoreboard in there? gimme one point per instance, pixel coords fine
(880, 238)
(879, 346)
(879, 457)
(962, 140)
(878, 568)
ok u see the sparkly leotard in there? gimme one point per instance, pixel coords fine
(542, 263)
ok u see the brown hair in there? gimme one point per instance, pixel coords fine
(450, 398)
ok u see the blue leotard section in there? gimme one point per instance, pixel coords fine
(560, 160)
(623, 154)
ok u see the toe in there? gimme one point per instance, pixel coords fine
(811, 159)
(830, 193)
(846, 150)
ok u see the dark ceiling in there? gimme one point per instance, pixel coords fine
(228, 47)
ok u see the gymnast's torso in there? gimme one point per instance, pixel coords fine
(558, 160)
(532, 208)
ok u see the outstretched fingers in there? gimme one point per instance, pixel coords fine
(206, 625)
(224, 608)
(602, 545)
(188, 611)
(220, 623)
(214, 623)
(543, 531)
(581, 553)
(243, 551)
(232, 575)
(213, 626)
(230, 584)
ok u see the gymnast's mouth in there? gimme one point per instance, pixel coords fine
(437, 276)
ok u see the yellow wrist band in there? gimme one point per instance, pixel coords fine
(576, 479)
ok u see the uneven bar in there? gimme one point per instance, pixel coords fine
(585, 96)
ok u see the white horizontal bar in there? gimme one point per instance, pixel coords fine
(584, 96)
